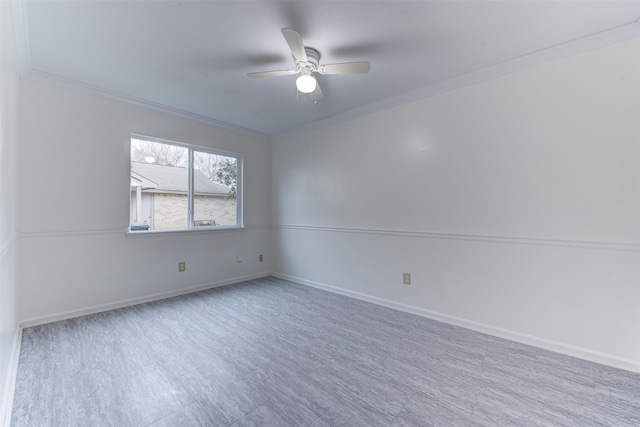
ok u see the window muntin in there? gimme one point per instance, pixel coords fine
(176, 186)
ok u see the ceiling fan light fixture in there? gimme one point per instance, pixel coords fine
(306, 83)
(307, 60)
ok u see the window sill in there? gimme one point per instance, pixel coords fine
(202, 230)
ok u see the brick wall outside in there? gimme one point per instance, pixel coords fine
(170, 210)
(221, 209)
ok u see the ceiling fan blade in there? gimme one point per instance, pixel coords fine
(361, 67)
(295, 44)
(316, 95)
(272, 73)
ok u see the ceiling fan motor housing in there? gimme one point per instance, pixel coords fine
(313, 59)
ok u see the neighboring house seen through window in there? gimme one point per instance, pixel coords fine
(177, 186)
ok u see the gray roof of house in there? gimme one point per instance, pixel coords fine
(171, 178)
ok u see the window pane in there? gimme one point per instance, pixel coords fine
(159, 186)
(215, 183)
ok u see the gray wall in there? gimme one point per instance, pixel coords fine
(514, 204)
(86, 260)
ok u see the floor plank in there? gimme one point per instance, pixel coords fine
(269, 352)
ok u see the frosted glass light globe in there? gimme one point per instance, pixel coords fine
(306, 84)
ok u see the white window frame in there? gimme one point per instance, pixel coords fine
(190, 191)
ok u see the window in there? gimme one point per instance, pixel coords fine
(177, 186)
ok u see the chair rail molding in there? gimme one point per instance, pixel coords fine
(633, 247)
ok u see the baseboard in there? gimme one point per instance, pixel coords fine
(7, 396)
(134, 301)
(554, 346)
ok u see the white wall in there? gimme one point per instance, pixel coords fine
(9, 90)
(73, 206)
(514, 204)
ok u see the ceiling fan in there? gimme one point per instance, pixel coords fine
(307, 61)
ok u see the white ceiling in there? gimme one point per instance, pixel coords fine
(193, 56)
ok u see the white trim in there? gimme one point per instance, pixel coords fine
(61, 232)
(240, 191)
(191, 148)
(191, 191)
(9, 390)
(140, 102)
(199, 230)
(633, 247)
(88, 231)
(545, 344)
(574, 47)
(134, 301)
(19, 11)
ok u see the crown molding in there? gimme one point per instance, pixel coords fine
(140, 102)
(19, 9)
(554, 53)
(602, 39)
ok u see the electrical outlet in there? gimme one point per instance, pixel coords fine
(406, 278)
(182, 267)
(260, 258)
